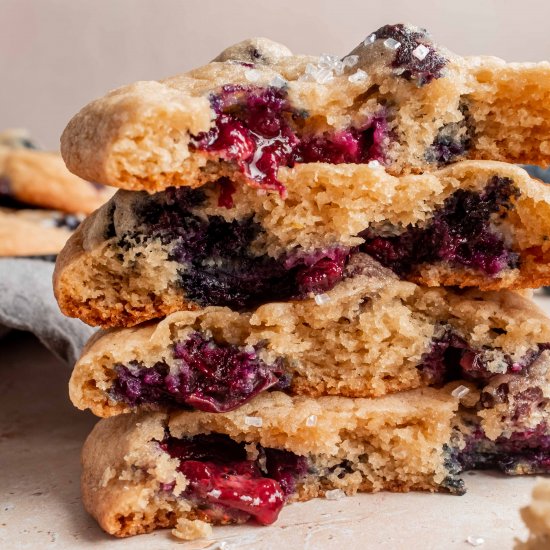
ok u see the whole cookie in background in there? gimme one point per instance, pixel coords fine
(33, 178)
(34, 232)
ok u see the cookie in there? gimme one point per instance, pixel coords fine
(397, 99)
(371, 335)
(153, 470)
(537, 518)
(137, 469)
(141, 256)
(33, 178)
(33, 232)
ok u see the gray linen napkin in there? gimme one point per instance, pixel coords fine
(27, 303)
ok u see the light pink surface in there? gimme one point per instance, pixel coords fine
(57, 55)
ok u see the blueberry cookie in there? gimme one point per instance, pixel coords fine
(142, 256)
(142, 472)
(371, 335)
(398, 99)
(36, 233)
(32, 178)
(185, 469)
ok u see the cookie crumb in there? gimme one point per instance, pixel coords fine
(192, 529)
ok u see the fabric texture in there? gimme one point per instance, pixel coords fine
(27, 303)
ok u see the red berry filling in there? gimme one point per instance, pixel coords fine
(459, 233)
(209, 377)
(258, 129)
(226, 486)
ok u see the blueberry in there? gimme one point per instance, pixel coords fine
(416, 58)
(210, 377)
(459, 233)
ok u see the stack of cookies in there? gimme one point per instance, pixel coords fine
(41, 202)
(310, 280)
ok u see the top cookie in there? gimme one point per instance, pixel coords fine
(33, 178)
(398, 99)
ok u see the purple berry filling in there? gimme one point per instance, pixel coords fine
(226, 485)
(459, 233)
(525, 452)
(258, 129)
(451, 358)
(416, 57)
(7, 199)
(68, 221)
(43, 257)
(220, 267)
(209, 377)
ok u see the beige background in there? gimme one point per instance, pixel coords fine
(56, 55)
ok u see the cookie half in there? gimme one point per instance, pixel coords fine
(397, 99)
(142, 472)
(146, 471)
(141, 256)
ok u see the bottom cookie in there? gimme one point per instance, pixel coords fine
(152, 470)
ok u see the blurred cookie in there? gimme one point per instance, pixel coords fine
(537, 518)
(30, 177)
(33, 232)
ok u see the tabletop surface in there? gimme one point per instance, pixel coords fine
(40, 439)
